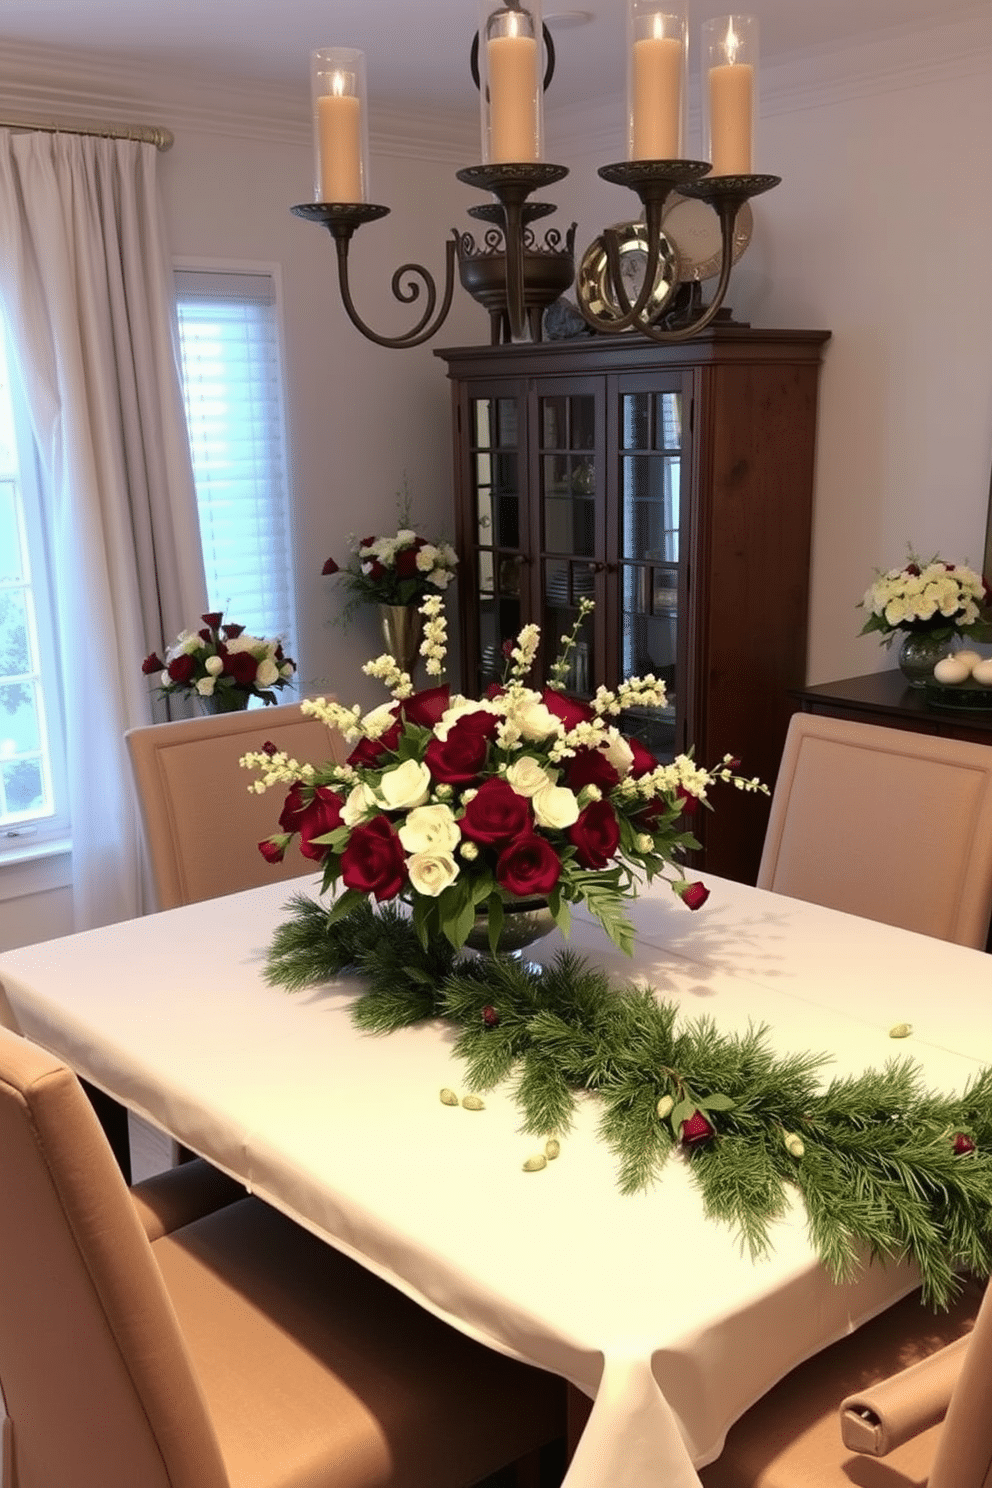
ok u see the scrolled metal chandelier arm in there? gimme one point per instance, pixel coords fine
(407, 283)
(654, 180)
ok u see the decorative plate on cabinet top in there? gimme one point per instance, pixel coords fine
(693, 229)
(594, 285)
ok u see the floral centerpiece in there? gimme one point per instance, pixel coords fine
(461, 806)
(400, 570)
(222, 666)
(931, 606)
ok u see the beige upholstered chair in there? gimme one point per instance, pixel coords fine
(885, 1389)
(885, 823)
(181, 1336)
(201, 823)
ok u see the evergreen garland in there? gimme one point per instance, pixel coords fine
(883, 1165)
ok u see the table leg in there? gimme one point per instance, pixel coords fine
(578, 1408)
(112, 1116)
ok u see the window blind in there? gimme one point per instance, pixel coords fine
(232, 384)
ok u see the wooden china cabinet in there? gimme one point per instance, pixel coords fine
(673, 486)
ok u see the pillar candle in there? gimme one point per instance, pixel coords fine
(731, 86)
(657, 100)
(513, 84)
(339, 123)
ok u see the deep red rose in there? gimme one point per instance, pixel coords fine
(371, 752)
(272, 850)
(571, 711)
(152, 664)
(480, 721)
(372, 863)
(697, 1131)
(962, 1144)
(644, 760)
(596, 834)
(367, 542)
(330, 567)
(457, 760)
(406, 563)
(425, 707)
(289, 817)
(528, 867)
(651, 815)
(496, 814)
(269, 748)
(490, 1017)
(590, 767)
(374, 569)
(240, 665)
(695, 895)
(205, 635)
(494, 690)
(320, 816)
(689, 805)
(231, 632)
(213, 619)
(181, 668)
(508, 648)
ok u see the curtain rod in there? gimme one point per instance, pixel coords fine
(146, 134)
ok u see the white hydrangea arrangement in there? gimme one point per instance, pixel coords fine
(939, 598)
(460, 806)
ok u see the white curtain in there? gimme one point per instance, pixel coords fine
(86, 282)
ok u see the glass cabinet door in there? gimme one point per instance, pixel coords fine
(570, 536)
(497, 460)
(649, 553)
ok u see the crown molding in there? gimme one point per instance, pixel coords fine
(957, 44)
(44, 83)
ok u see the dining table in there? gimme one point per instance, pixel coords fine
(657, 1315)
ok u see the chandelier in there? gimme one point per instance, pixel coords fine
(512, 60)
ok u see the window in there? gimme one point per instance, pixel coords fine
(232, 383)
(33, 791)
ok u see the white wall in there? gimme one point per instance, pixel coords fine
(879, 233)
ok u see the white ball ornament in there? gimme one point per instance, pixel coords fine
(951, 671)
(982, 672)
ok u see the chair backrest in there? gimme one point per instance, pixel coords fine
(98, 1384)
(963, 1458)
(885, 823)
(202, 824)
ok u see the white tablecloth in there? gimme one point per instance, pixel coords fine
(639, 1301)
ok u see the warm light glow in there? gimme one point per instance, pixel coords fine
(338, 87)
(731, 42)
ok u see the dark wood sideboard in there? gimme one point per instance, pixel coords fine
(885, 698)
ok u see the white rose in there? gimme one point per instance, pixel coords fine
(405, 538)
(427, 557)
(555, 807)
(244, 643)
(359, 803)
(430, 829)
(440, 578)
(619, 753)
(404, 786)
(287, 669)
(214, 665)
(267, 673)
(165, 680)
(536, 721)
(528, 777)
(189, 642)
(431, 873)
(205, 686)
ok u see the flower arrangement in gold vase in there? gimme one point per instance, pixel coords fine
(462, 806)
